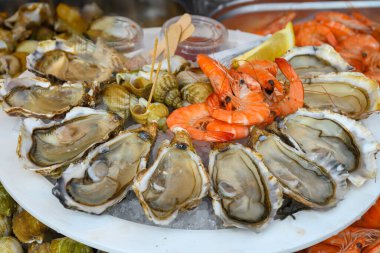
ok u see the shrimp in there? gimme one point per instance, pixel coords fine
(252, 110)
(315, 34)
(359, 44)
(195, 118)
(277, 24)
(294, 97)
(371, 219)
(338, 29)
(238, 131)
(264, 72)
(322, 248)
(219, 76)
(373, 248)
(344, 19)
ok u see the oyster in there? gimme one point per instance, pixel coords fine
(46, 147)
(74, 60)
(176, 181)
(104, 177)
(244, 193)
(349, 142)
(317, 185)
(31, 14)
(348, 93)
(311, 60)
(37, 97)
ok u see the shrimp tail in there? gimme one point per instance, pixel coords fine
(211, 136)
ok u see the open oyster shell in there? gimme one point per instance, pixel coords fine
(315, 184)
(37, 97)
(348, 93)
(105, 176)
(75, 60)
(325, 132)
(311, 60)
(244, 193)
(176, 181)
(46, 147)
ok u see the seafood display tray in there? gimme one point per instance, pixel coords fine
(111, 234)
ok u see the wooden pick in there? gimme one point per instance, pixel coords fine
(153, 58)
(184, 21)
(154, 84)
(174, 33)
(167, 51)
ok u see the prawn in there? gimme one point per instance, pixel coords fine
(194, 118)
(314, 34)
(295, 95)
(344, 19)
(277, 24)
(371, 219)
(338, 29)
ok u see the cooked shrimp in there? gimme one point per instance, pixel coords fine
(338, 29)
(264, 72)
(322, 248)
(344, 19)
(238, 131)
(359, 44)
(371, 219)
(277, 24)
(293, 100)
(251, 110)
(194, 118)
(315, 34)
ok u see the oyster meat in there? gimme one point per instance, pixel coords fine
(176, 181)
(46, 147)
(244, 193)
(317, 185)
(324, 132)
(105, 176)
(311, 60)
(348, 93)
(76, 60)
(37, 97)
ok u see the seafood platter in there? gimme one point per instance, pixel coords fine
(153, 150)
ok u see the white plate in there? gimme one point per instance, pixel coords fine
(33, 192)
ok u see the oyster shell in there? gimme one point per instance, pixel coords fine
(317, 185)
(244, 193)
(323, 132)
(31, 14)
(176, 181)
(311, 60)
(74, 60)
(104, 177)
(37, 97)
(348, 93)
(47, 147)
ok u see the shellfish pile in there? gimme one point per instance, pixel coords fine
(77, 98)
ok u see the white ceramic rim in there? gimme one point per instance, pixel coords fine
(33, 192)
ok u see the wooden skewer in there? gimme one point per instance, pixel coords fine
(167, 51)
(153, 58)
(154, 84)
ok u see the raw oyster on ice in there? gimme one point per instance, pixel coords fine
(244, 193)
(37, 97)
(175, 182)
(317, 185)
(105, 176)
(311, 60)
(349, 93)
(47, 147)
(325, 132)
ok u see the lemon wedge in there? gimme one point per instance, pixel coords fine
(274, 47)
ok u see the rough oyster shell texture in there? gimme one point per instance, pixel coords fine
(245, 194)
(315, 184)
(175, 182)
(325, 132)
(105, 176)
(37, 97)
(47, 147)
